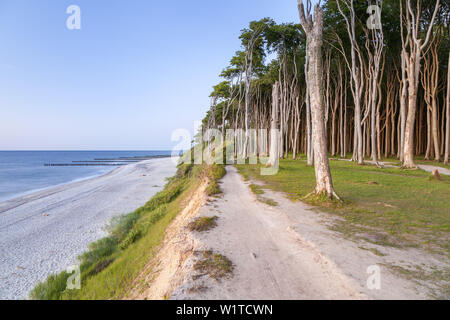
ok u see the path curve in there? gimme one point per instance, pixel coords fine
(429, 168)
(424, 167)
(272, 261)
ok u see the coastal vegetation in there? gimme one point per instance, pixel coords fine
(112, 263)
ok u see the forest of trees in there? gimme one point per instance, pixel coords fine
(342, 84)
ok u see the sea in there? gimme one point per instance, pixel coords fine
(24, 172)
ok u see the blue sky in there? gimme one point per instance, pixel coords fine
(137, 69)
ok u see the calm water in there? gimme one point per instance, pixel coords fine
(22, 172)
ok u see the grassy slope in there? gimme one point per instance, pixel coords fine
(385, 206)
(112, 263)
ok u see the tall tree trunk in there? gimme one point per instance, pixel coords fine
(274, 141)
(403, 107)
(447, 129)
(413, 55)
(247, 108)
(434, 130)
(428, 150)
(309, 149)
(408, 161)
(313, 30)
(356, 69)
(434, 103)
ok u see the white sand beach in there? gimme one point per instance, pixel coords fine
(44, 232)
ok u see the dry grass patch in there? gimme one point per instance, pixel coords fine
(214, 265)
(203, 224)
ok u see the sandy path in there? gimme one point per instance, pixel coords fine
(44, 232)
(272, 261)
(433, 168)
(424, 167)
(287, 252)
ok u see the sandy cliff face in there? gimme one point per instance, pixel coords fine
(168, 270)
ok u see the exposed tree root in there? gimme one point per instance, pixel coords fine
(379, 165)
(415, 167)
(333, 196)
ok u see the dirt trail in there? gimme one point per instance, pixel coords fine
(281, 252)
(271, 260)
(424, 167)
(433, 168)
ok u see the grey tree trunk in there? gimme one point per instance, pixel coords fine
(356, 68)
(403, 103)
(413, 47)
(447, 130)
(309, 149)
(413, 77)
(274, 141)
(247, 106)
(313, 30)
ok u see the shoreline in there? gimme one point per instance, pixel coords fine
(88, 177)
(45, 231)
(33, 191)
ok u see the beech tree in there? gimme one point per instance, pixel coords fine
(357, 73)
(413, 47)
(253, 42)
(447, 132)
(274, 139)
(313, 28)
(382, 91)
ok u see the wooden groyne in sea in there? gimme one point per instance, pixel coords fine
(83, 164)
(139, 158)
(101, 162)
(106, 161)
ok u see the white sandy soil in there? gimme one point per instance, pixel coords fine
(44, 232)
(430, 168)
(282, 252)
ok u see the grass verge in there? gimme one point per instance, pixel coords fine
(112, 263)
(394, 207)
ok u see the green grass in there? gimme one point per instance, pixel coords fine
(111, 264)
(268, 201)
(441, 289)
(395, 207)
(373, 250)
(258, 191)
(215, 173)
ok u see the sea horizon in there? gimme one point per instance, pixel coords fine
(24, 172)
